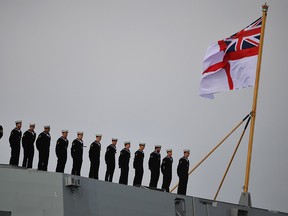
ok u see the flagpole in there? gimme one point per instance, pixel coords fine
(254, 105)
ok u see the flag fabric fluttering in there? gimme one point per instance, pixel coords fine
(231, 63)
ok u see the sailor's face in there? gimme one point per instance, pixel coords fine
(127, 146)
(32, 127)
(65, 134)
(158, 150)
(80, 136)
(169, 153)
(141, 147)
(114, 142)
(19, 125)
(98, 138)
(186, 154)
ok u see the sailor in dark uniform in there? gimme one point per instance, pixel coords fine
(166, 169)
(14, 140)
(110, 160)
(94, 156)
(138, 165)
(182, 172)
(43, 146)
(124, 160)
(28, 140)
(154, 166)
(77, 154)
(61, 151)
(1, 131)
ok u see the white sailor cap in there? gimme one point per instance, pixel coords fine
(64, 131)
(142, 144)
(98, 135)
(114, 139)
(32, 124)
(46, 126)
(158, 146)
(18, 121)
(186, 150)
(169, 150)
(126, 142)
(80, 133)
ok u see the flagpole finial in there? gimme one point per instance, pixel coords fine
(265, 7)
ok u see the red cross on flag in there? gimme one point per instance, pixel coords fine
(231, 63)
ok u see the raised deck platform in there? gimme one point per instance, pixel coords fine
(27, 192)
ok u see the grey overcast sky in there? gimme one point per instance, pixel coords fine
(131, 69)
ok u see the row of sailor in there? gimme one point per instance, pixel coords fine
(43, 146)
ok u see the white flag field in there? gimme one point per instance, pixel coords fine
(231, 63)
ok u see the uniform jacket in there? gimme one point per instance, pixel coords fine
(110, 154)
(138, 159)
(124, 158)
(183, 167)
(154, 161)
(28, 138)
(61, 146)
(43, 141)
(1, 131)
(77, 149)
(94, 151)
(15, 137)
(166, 166)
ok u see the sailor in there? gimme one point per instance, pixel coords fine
(138, 165)
(94, 156)
(1, 131)
(14, 140)
(166, 169)
(123, 161)
(154, 166)
(110, 160)
(61, 151)
(77, 154)
(28, 140)
(182, 172)
(43, 146)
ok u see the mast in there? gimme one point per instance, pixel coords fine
(254, 105)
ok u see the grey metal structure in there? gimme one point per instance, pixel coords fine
(27, 192)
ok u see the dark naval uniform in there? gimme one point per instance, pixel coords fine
(94, 155)
(77, 155)
(14, 140)
(110, 161)
(124, 160)
(28, 140)
(182, 172)
(1, 131)
(138, 166)
(154, 166)
(43, 146)
(166, 169)
(61, 153)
